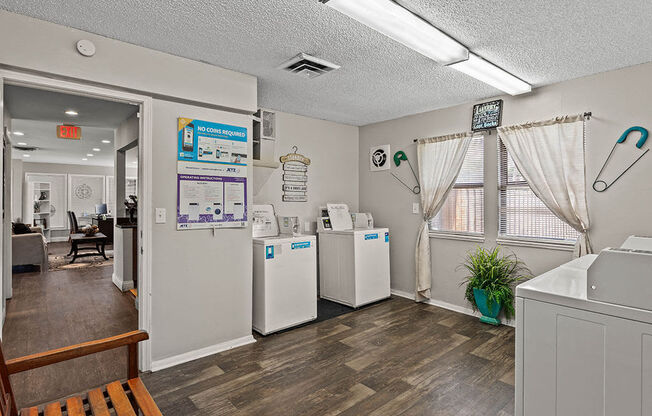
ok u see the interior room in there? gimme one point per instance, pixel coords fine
(67, 237)
(326, 207)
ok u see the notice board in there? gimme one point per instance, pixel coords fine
(211, 175)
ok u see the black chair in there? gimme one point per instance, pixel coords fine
(74, 228)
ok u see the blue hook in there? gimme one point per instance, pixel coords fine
(641, 141)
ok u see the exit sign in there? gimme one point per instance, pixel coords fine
(69, 132)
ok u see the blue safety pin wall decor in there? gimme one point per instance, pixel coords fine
(600, 185)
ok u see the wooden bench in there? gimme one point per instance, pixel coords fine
(121, 399)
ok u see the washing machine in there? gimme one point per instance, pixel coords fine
(285, 282)
(353, 263)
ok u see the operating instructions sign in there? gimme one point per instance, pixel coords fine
(211, 175)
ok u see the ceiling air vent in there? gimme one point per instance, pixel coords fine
(308, 66)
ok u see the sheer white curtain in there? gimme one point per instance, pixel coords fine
(440, 160)
(550, 156)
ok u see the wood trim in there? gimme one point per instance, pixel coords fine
(30, 362)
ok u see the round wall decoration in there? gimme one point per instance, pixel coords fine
(378, 158)
(83, 191)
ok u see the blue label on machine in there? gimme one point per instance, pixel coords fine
(373, 236)
(302, 244)
(387, 237)
(269, 252)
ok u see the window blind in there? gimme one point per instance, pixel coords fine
(463, 211)
(521, 213)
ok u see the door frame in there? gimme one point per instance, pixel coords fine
(10, 77)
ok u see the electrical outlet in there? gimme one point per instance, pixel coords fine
(415, 207)
(160, 215)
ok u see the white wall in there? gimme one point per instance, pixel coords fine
(52, 50)
(201, 284)
(618, 100)
(333, 171)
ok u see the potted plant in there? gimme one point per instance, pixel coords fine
(490, 282)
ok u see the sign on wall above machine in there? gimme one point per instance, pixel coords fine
(295, 176)
(69, 132)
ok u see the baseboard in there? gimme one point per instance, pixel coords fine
(121, 283)
(449, 306)
(201, 353)
(59, 239)
(402, 294)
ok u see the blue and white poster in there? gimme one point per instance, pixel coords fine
(211, 175)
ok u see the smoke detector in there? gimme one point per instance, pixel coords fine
(308, 66)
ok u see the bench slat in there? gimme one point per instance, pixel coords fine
(97, 403)
(32, 411)
(143, 398)
(75, 406)
(53, 409)
(120, 401)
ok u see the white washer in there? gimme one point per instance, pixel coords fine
(285, 282)
(354, 266)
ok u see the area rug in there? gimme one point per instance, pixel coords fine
(60, 262)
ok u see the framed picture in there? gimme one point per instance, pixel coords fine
(487, 115)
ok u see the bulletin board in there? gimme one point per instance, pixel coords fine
(211, 175)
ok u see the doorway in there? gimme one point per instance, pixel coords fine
(55, 182)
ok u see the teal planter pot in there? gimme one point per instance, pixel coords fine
(489, 312)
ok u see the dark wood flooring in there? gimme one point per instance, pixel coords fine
(394, 358)
(62, 308)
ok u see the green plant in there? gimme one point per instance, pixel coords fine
(496, 274)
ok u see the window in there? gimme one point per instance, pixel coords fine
(522, 214)
(463, 211)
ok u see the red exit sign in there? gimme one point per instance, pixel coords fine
(69, 132)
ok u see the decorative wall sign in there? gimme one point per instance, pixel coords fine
(295, 176)
(487, 115)
(379, 158)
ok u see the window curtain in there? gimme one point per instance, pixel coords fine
(550, 156)
(440, 160)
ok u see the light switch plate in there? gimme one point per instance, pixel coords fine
(415, 207)
(160, 215)
(307, 226)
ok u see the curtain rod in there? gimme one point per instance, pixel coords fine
(587, 115)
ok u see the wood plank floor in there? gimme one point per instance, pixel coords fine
(394, 358)
(62, 308)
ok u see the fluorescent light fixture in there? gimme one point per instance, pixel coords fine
(26, 155)
(106, 141)
(18, 133)
(22, 144)
(71, 112)
(83, 158)
(96, 149)
(398, 23)
(489, 73)
(89, 154)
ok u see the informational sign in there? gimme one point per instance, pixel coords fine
(69, 132)
(295, 176)
(487, 115)
(211, 175)
(264, 221)
(379, 158)
(340, 217)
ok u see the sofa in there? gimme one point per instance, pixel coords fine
(30, 249)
